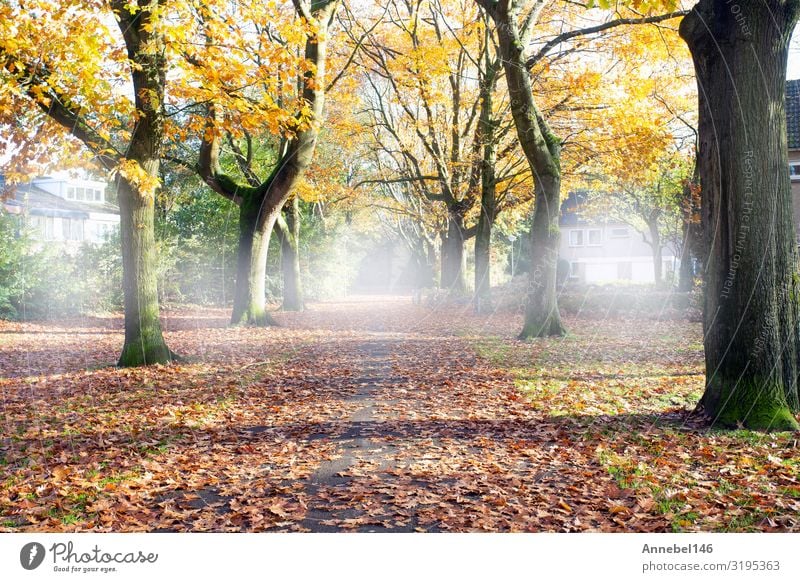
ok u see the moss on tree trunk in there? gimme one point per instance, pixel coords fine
(249, 302)
(542, 317)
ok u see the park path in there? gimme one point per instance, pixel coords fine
(432, 437)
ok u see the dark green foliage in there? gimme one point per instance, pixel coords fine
(197, 232)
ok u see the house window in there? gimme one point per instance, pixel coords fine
(48, 228)
(794, 172)
(71, 193)
(576, 238)
(98, 196)
(72, 229)
(36, 224)
(80, 193)
(574, 270)
(595, 237)
(620, 232)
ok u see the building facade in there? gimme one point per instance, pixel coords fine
(65, 210)
(603, 251)
(793, 139)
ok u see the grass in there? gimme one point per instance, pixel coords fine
(743, 523)
(624, 378)
(73, 511)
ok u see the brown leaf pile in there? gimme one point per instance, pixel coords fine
(376, 416)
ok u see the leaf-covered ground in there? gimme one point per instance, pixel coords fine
(375, 415)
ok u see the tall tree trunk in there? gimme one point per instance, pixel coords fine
(542, 317)
(144, 342)
(483, 241)
(289, 236)
(751, 285)
(488, 210)
(542, 149)
(453, 258)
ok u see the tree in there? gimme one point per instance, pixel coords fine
(423, 113)
(261, 201)
(64, 60)
(751, 282)
(436, 127)
(289, 237)
(541, 145)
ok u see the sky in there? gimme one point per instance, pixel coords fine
(793, 71)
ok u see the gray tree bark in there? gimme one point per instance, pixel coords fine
(751, 284)
(289, 236)
(543, 151)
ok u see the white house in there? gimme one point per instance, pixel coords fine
(604, 251)
(67, 210)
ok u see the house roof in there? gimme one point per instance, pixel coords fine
(571, 209)
(37, 202)
(793, 113)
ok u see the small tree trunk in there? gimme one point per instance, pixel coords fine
(751, 285)
(144, 342)
(290, 258)
(658, 253)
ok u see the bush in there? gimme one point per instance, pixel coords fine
(41, 280)
(600, 301)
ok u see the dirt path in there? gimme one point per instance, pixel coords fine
(363, 440)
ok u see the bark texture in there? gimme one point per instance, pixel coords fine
(751, 285)
(289, 236)
(488, 210)
(543, 152)
(454, 260)
(144, 342)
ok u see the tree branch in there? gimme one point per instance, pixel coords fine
(549, 45)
